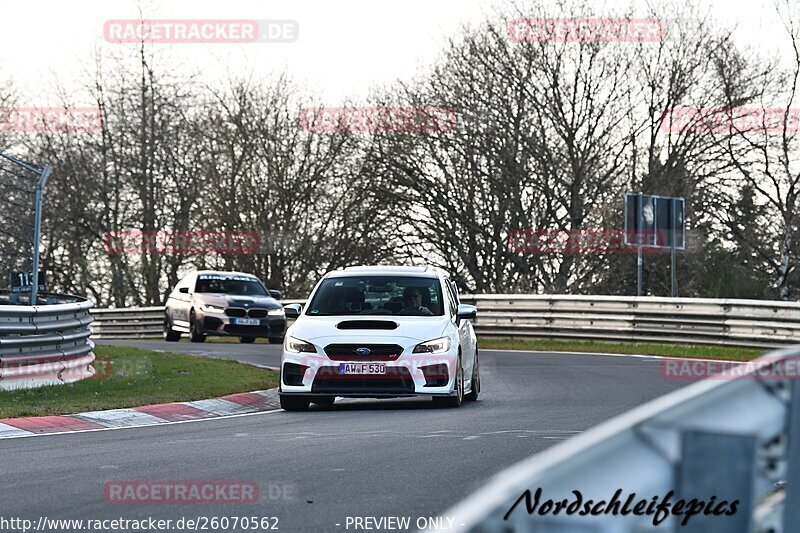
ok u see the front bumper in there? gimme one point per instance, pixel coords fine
(408, 375)
(221, 324)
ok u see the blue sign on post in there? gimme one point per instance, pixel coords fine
(655, 222)
(23, 282)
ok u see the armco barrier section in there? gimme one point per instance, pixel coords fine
(45, 344)
(129, 323)
(754, 323)
(730, 439)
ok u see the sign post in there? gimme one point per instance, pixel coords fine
(25, 173)
(673, 278)
(37, 226)
(639, 258)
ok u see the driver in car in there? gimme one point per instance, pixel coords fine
(412, 300)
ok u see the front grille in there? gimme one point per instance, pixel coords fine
(348, 352)
(397, 380)
(238, 312)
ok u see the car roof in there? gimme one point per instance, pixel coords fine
(383, 270)
(225, 273)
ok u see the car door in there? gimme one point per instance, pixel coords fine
(180, 302)
(465, 335)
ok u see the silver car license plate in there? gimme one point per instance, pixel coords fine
(246, 321)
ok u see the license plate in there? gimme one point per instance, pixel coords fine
(362, 368)
(246, 321)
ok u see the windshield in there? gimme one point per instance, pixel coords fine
(378, 295)
(230, 285)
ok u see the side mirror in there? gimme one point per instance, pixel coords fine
(184, 290)
(292, 310)
(276, 294)
(466, 311)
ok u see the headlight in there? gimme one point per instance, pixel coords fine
(440, 345)
(296, 346)
(212, 308)
(276, 312)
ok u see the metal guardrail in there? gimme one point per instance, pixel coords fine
(45, 344)
(128, 323)
(733, 439)
(752, 323)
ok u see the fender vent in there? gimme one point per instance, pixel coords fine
(366, 324)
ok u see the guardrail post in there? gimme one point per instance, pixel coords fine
(715, 464)
(791, 500)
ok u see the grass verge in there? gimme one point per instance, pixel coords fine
(669, 350)
(130, 377)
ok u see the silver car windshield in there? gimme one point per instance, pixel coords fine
(378, 295)
(230, 285)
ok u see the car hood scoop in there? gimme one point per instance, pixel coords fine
(336, 329)
(366, 324)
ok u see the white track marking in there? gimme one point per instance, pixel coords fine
(132, 427)
(119, 418)
(221, 407)
(10, 432)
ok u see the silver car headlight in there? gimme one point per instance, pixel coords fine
(440, 345)
(212, 309)
(296, 346)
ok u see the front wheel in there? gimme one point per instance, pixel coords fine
(170, 335)
(194, 330)
(292, 402)
(247, 340)
(453, 401)
(276, 340)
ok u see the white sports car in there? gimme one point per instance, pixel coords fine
(372, 332)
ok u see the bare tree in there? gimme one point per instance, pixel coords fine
(759, 126)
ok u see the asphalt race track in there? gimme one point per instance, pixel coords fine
(359, 458)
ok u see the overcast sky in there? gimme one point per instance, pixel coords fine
(345, 47)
